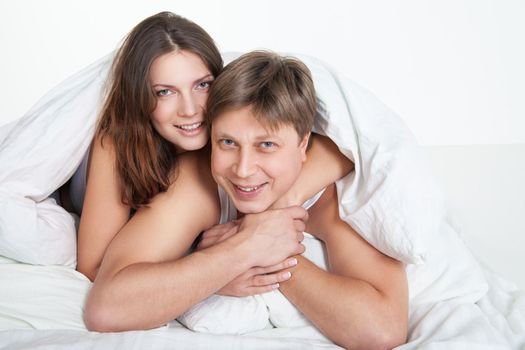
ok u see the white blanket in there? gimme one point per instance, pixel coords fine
(391, 200)
(38, 153)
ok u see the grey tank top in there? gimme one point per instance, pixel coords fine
(77, 188)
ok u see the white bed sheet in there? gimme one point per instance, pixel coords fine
(41, 308)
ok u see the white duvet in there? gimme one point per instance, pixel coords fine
(390, 199)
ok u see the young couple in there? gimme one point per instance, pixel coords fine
(148, 198)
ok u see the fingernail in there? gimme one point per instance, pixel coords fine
(275, 286)
(286, 275)
(292, 262)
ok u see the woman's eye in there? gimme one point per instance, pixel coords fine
(204, 85)
(164, 92)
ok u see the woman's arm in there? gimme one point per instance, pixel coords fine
(147, 278)
(324, 165)
(362, 302)
(103, 213)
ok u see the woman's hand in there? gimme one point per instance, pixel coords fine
(258, 280)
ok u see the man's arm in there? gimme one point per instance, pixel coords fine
(146, 279)
(362, 302)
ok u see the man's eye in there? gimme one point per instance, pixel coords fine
(267, 144)
(227, 142)
(164, 92)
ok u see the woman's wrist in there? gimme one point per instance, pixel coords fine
(289, 199)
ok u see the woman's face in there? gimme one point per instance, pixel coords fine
(181, 81)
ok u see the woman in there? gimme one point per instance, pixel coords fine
(152, 114)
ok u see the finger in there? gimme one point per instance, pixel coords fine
(300, 236)
(277, 267)
(218, 230)
(300, 249)
(259, 290)
(228, 234)
(270, 279)
(297, 213)
(299, 225)
(206, 242)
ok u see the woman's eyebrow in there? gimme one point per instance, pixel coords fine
(206, 77)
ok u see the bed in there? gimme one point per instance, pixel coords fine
(392, 199)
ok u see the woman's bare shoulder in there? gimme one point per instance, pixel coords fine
(191, 181)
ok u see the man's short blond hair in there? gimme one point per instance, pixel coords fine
(278, 89)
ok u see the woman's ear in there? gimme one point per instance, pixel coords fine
(303, 145)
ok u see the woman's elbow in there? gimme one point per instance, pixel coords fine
(97, 317)
(374, 338)
(383, 341)
(388, 338)
(392, 339)
(102, 315)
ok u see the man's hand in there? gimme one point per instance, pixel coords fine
(274, 235)
(218, 233)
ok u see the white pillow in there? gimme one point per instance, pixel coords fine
(231, 315)
(41, 297)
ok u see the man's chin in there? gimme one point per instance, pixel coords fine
(251, 208)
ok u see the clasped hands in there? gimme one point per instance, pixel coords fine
(274, 238)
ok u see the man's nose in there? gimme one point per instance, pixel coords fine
(246, 164)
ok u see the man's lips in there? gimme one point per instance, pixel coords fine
(249, 189)
(248, 192)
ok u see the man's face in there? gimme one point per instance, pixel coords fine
(253, 164)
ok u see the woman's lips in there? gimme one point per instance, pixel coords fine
(190, 129)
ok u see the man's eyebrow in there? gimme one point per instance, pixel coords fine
(206, 77)
(265, 137)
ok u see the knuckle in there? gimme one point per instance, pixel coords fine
(255, 280)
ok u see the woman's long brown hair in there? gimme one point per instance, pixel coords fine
(144, 160)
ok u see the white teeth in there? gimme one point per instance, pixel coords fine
(248, 189)
(189, 127)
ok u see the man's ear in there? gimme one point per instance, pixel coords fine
(304, 146)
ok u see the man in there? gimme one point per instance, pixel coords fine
(261, 110)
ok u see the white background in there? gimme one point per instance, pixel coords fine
(453, 70)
